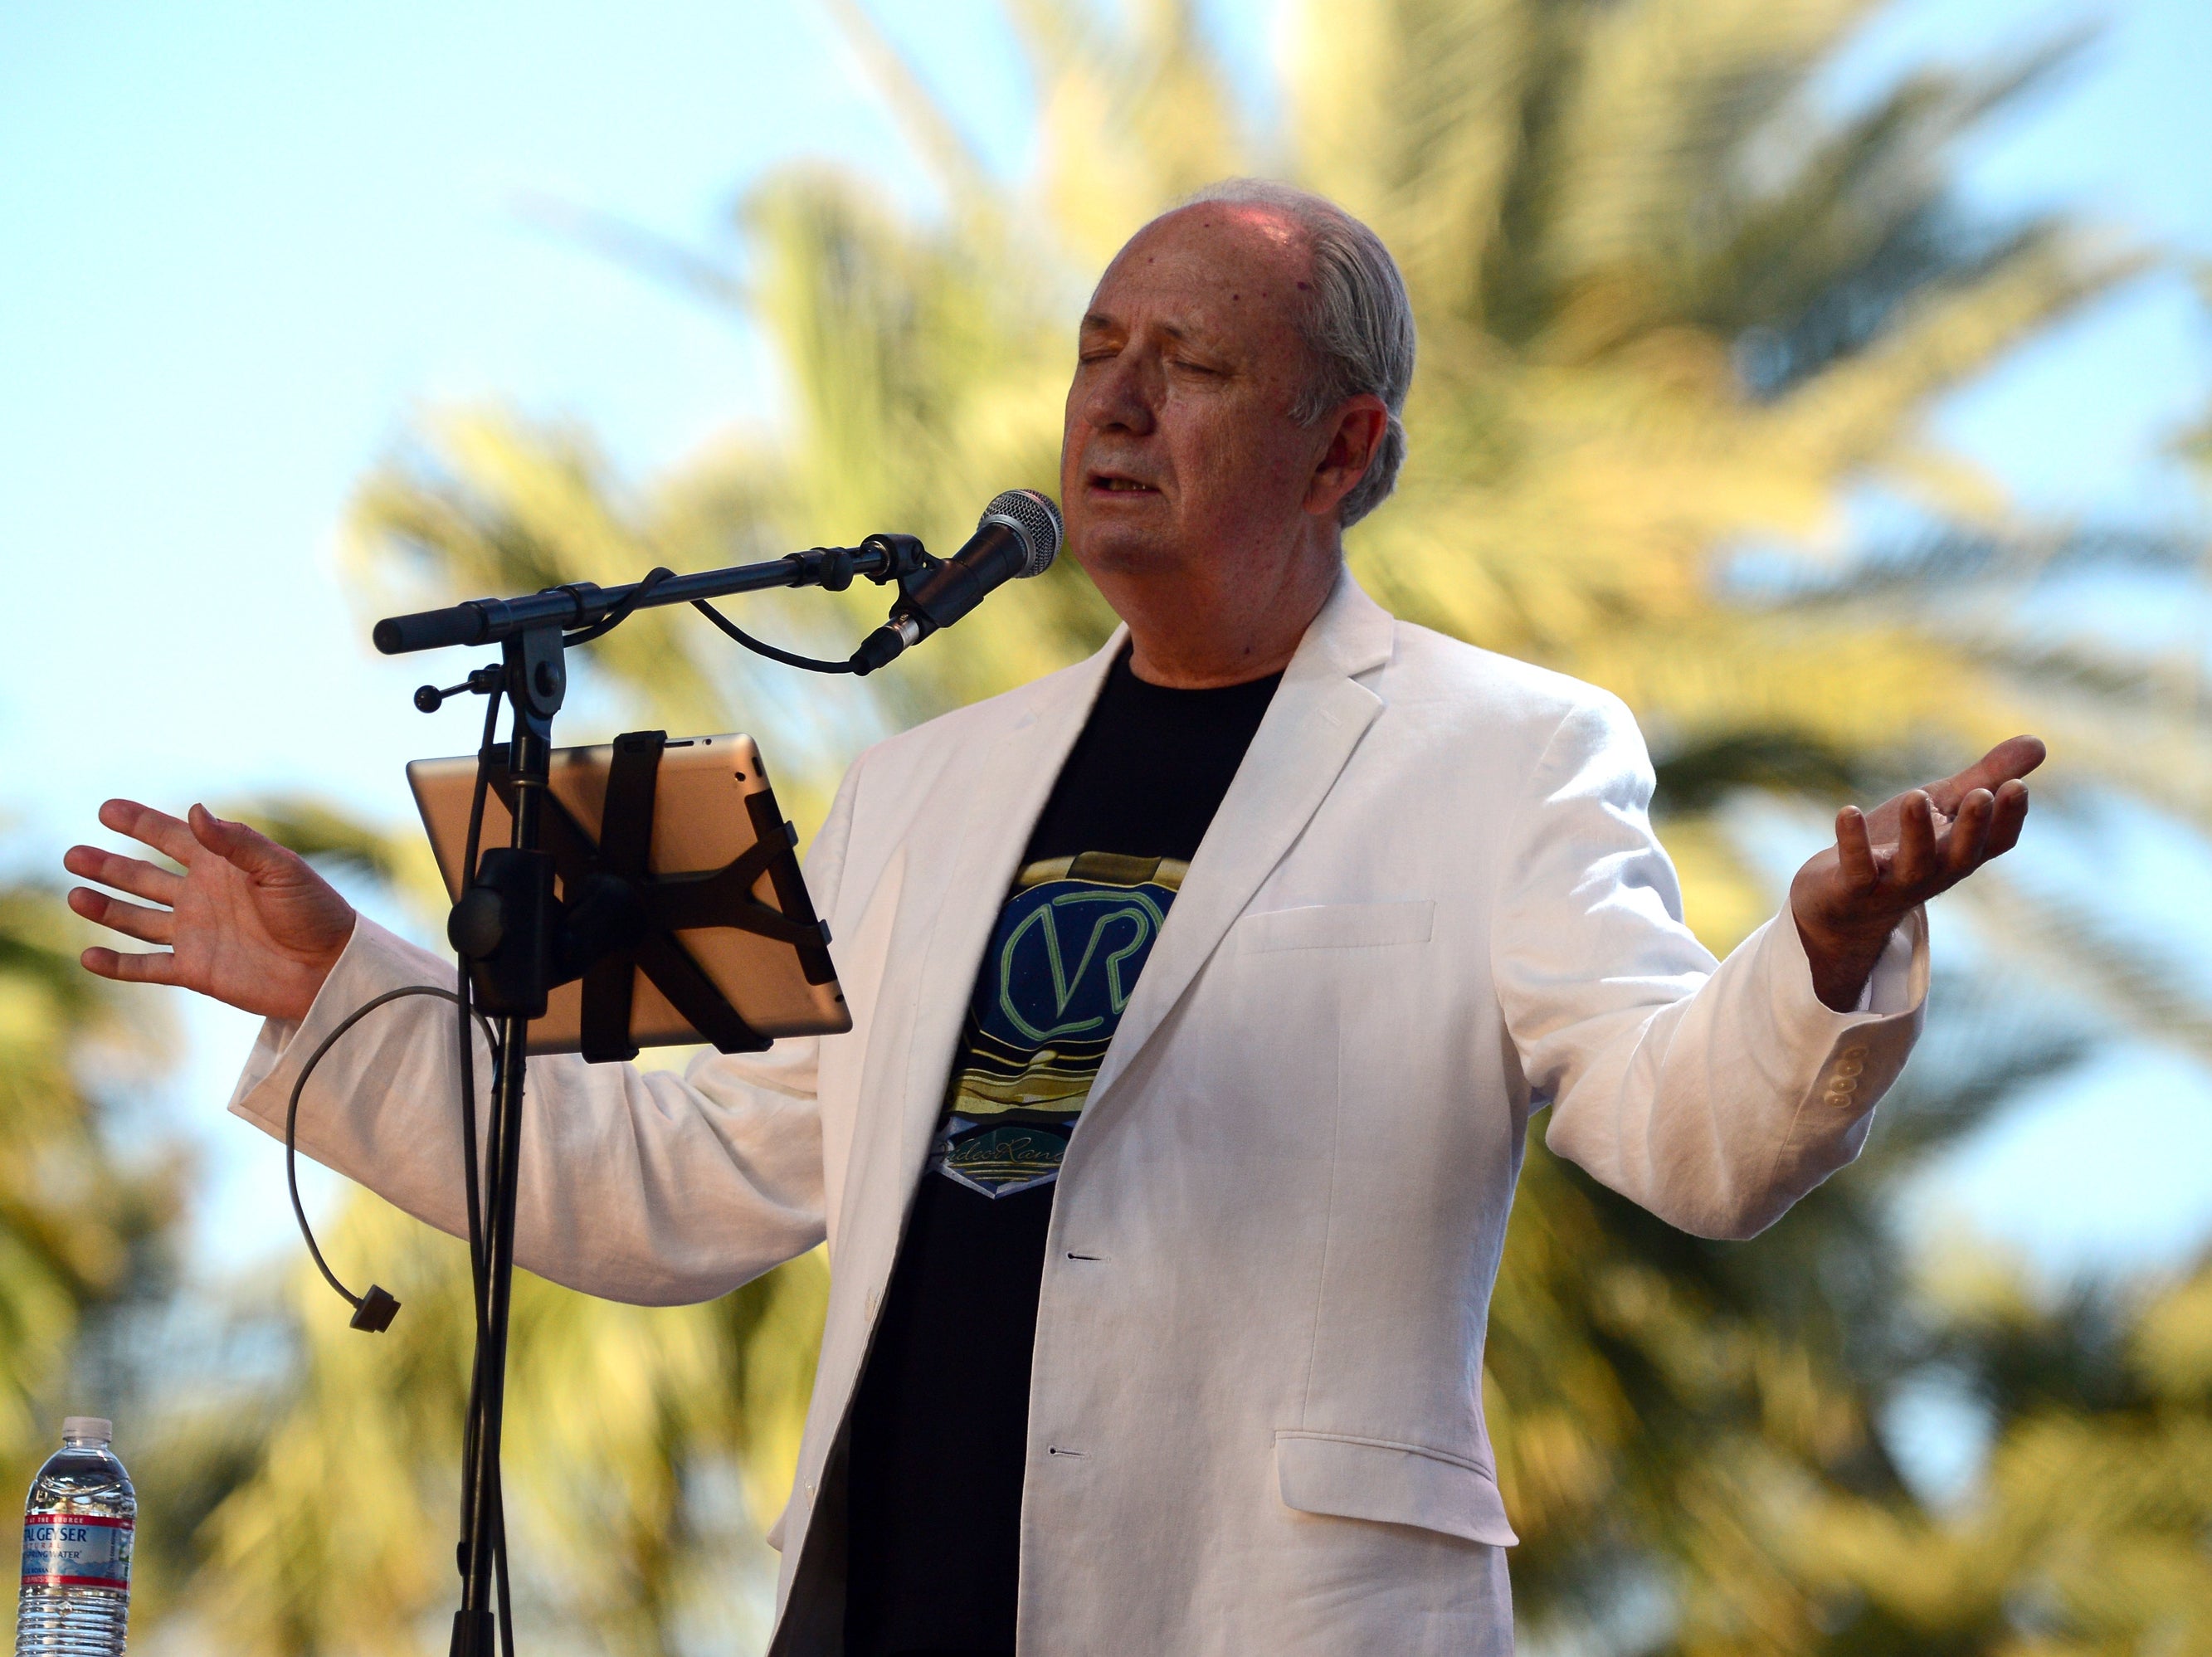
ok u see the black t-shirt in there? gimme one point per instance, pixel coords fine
(941, 1421)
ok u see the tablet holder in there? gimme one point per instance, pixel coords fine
(616, 919)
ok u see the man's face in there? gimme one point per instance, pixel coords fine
(1179, 445)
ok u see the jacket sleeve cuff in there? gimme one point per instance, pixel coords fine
(1858, 1055)
(1897, 988)
(374, 960)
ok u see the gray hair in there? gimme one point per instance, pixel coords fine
(1359, 326)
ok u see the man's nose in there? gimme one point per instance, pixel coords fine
(1123, 397)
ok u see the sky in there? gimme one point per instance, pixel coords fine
(248, 248)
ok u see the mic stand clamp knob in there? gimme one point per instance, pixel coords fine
(476, 923)
(505, 925)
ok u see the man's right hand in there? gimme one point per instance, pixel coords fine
(247, 922)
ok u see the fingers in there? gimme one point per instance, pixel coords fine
(131, 875)
(148, 925)
(2008, 817)
(2015, 757)
(160, 968)
(1915, 863)
(1930, 839)
(165, 833)
(1967, 846)
(245, 848)
(2010, 760)
(1855, 851)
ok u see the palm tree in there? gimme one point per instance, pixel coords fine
(1678, 329)
(2087, 1533)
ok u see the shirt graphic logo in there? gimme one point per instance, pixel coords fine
(1116, 929)
(1062, 964)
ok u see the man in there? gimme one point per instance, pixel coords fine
(1201, 995)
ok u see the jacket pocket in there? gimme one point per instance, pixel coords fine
(1337, 926)
(1391, 1483)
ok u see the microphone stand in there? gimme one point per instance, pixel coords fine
(534, 632)
(537, 676)
(584, 605)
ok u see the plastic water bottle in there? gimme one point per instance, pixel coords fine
(76, 1549)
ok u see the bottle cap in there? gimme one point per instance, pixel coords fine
(89, 1427)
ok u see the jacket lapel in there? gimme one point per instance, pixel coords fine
(1317, 717)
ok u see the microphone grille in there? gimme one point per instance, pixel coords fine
(1035, 518)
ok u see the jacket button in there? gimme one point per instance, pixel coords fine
(1855, 1052)
(1850, 1067)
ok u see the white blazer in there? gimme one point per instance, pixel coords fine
(1430, 903)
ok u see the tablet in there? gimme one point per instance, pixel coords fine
(712, 804)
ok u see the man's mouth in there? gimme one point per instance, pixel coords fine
(1114, 484)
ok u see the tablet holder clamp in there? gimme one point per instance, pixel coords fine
(616, 919)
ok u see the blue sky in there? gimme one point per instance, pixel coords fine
(247, 246)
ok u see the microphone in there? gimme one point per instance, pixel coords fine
(1017, 537)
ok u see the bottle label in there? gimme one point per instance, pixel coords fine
(76, 1551)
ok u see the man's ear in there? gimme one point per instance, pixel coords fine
(1356, 434)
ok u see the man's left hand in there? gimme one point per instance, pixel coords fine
(1886, 862)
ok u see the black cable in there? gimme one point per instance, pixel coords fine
(499, 1565)
(471, 1172)
(615, 617)
(498, 1157)
(359, 1303)
(375, 1310)
(464, 989)
(761, 647)
(653, 578)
